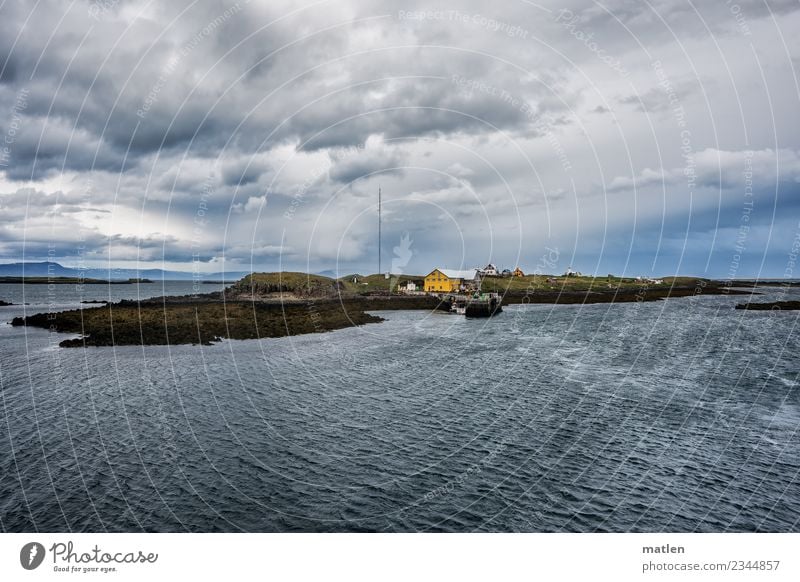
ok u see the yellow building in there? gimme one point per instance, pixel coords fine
(518, 272)
(450, 281)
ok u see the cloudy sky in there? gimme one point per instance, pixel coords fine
(626, 136)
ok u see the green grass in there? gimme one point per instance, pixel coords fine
(318, 285)
(561, 283)
(301, 284)
(376, 283)
(306, 285)
(287, 278)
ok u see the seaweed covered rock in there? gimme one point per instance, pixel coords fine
(150, 323)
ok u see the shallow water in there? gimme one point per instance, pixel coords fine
(680, 415)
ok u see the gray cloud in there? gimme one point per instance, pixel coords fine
(262, 130)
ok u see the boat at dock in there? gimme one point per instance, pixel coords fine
(475, 304)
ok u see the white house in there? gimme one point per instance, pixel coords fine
(489, 270)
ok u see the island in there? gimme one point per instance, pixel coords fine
(761, 283)
(771, 306)
(266, 305)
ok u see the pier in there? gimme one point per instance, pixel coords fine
(474, 305)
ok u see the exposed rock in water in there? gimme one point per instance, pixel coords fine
(772, 306)
(149, 323)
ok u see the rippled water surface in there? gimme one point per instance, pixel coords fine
(681, 415)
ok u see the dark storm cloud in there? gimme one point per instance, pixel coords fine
(130, 88)
(218, 128)
(243, 172)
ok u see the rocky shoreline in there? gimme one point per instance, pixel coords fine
(771, 306)
(239, 314)
(616, 296)
(203, 322)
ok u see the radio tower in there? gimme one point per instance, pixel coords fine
(379, 231)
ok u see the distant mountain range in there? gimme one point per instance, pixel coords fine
(46, 268)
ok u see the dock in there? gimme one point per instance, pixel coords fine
(473, 305)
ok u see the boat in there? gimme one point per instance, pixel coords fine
(475, 304)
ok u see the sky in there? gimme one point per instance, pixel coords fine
(634, 137)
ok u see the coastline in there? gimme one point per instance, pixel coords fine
(617, 295)
(204, 322)
(239, 313)
(770, 306)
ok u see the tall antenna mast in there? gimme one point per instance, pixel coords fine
(379, 231)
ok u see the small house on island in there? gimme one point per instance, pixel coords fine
(489, 270)
(452, 281)
(410, 287)
(518, 272)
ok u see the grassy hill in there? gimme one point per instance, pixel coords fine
(378, 283)
(306, 286)
(287, 282)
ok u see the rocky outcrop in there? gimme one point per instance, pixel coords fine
(772, 306)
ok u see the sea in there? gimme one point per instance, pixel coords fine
(671, 416)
